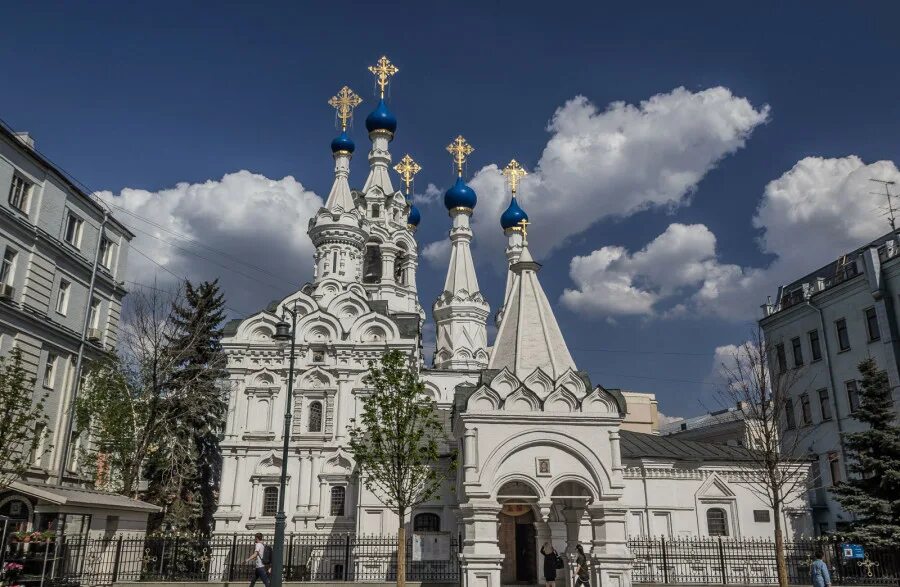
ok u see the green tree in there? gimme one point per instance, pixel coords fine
(873, 492)
(23, 421)
(397, 443)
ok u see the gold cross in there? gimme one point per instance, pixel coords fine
(514, 172)
(383, 70)
(344, 102)
(460, 150)
(524, 224)
(407, 168)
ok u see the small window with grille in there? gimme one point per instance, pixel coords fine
(427, 522)
(315, 417)
(716, 522)
(761, 516)
(338, 496)
(270, 501)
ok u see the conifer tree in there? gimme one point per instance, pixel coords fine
(873, 492)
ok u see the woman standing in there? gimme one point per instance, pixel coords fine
(582, 575)
(552, 562)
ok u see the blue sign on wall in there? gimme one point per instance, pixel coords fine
(853, 551)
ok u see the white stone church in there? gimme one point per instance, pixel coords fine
(542, 456)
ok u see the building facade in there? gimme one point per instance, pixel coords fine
(823, 325)
(61, 290)
(731, 426)
(542, 452)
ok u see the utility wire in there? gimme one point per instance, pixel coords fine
(637, 352)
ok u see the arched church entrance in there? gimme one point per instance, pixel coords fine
(517, 535)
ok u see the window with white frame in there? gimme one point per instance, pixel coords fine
(94, 316)
(8, 267)
(50, 370)
(107, 250)
(338, 497)
(20, 193)
(62, 297)
(74, 229)
(270, 501)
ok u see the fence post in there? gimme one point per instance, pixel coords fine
(231, 558)
(172, 572)
(290, 559)
(346, 557)
(665, 560)
(117, 560)
(722, 561)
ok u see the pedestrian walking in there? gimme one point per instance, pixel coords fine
(819, 572)
(262, 559)
(582, 575)
(552, 562)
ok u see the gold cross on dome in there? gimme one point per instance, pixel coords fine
(344, 102)
(407, 168)
(513, 173)
(460, 150)
(524, 224)
(383, 70)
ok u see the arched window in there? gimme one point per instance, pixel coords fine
(427, 522)
(270, 501)
(338, 496)
(315, 417)
(716, 522)
(372, 264)
(399, 272)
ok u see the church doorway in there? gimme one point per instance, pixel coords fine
(517, 535)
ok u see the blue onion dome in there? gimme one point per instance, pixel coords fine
(414, 216)
(460, 196)
(513, 216)
(342, 143)
(381, 119)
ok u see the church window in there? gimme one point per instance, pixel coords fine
(716, 522)
(338, 497)
(315, 417)
(398, 269)
(270, 501)
(376, 211)
(334, 262)
(427, 522)
(372, 264)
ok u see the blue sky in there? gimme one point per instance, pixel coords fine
(786, 110)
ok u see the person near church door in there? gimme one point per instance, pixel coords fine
(582, 575)
(552, 562)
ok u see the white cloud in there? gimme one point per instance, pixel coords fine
(251, 218)
(813, 213)
(437, 253)
(431, 195)
(616, 162)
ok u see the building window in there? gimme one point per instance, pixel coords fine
(62, 298)
(106, 252)
(761, 516)
(338, 497)
(782, 358)
(716, 522)
(805, 409)
(814, 347)
(8, 268)
(270, 501)
(825, 404)
(427, 523)
(789, 418)
(94, 316)
(798, 352)
(74, 228)
(315, 417)
(834, 467)
(376, 211)
(50, 370)
(372, 264)
(852, 395)
(20, 193)
(872, 325)
(843, 337)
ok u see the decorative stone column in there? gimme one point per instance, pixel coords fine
(388, 257)
(303, 482)
(480, 559)
(610, 557)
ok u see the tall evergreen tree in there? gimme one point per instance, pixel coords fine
(190, 498)
(873, 493)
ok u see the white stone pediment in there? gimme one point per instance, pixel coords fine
(539, 382)
(264, 378)
(600, 402)
(316, 378)
(348, 307)
(319, 328)
(715, 488)
(505, 383)
(374, 328)
(339, 464)
(258, 328)
(522, 400)
(571, 381)
(299, 300)
(484, 400)
(268, 466)
(561, 400)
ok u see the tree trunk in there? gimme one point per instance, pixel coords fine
(780, 562)
(401, 550)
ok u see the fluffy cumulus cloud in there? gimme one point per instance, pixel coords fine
(615, 162)
(431, 195)
(820, 204)
(437, 253)
(246, 229)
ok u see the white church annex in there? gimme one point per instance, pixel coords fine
(541, 454)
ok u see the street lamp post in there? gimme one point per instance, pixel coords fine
(283, 333)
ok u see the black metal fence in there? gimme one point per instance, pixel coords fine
(430, 557)
(752, 562)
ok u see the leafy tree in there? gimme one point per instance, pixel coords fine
(873, 493)
(778, 470)
(397, 443)
(195, 344)
(23, 421)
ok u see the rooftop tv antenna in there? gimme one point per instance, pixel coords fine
(890, 210)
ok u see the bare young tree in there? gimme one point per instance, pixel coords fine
(759, 381)
(131, 403)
